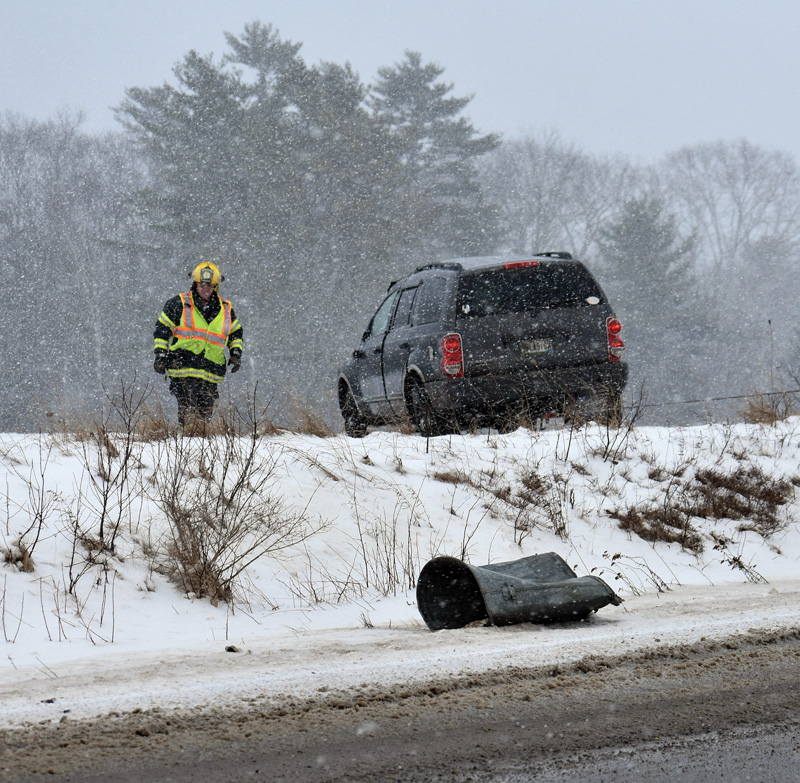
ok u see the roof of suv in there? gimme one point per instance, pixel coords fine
(486, 262)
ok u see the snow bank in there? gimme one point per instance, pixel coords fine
(97, 630)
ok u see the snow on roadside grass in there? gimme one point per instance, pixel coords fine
(375, 511)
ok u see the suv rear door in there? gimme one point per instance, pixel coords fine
(416, 333)
(531, 315)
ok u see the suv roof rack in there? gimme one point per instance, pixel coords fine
(562, 254)
(440, 265)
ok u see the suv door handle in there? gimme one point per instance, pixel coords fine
(378, 349)
(405, 346)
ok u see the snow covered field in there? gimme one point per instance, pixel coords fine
(341, 528)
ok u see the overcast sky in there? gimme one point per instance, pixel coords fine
(639, 77)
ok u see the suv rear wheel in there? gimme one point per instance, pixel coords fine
(421, 412)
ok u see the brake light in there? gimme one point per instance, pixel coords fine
(452, 356)
(518, 264)
(615, 345)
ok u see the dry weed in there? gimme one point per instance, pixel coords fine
(769, 408)
(306, 419)
(665, 523)
(746, 494)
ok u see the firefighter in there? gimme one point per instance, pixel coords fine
(191, 335)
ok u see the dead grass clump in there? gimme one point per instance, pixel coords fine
(746, 494)
(453, 476)
(19, 556)
(306, 419)
(769, 408)
(310, 422)
(662, 523)
(153, 425)
(667, 523)
(72, 426)
(502, 492)
(534, 488)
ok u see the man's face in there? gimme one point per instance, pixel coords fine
(204, 291)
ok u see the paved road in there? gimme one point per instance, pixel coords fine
(708, 711)
(758, 755)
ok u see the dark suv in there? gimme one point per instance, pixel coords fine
(488, 341)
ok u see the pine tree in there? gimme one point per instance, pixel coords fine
(189, 133)
(440, 149)
(643, 250)
(649, 276)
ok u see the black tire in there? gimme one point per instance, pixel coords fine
(355, 425)
(421, 412)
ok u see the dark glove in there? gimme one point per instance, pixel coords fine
(161, 363)
(235, 362)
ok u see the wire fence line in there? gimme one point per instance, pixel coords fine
(703, 400)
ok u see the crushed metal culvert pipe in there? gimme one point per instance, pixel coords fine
(536, 589)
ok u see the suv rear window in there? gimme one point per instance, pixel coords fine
(519, 290)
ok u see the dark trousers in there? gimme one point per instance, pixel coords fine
(196, 399)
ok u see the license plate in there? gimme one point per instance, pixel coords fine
(542, 345)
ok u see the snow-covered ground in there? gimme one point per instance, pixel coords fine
(89, 630)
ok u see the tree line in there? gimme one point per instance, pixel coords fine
(312, 190)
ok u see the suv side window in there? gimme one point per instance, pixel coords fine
(380, 321)
(429, 301)
(402, 316)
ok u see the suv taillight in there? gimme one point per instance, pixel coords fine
(452, 356)
(615, 345)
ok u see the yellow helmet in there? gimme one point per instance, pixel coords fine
(207, 273)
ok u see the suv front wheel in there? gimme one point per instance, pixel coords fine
(355, 425)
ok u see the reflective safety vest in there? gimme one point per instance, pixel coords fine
(206, 340)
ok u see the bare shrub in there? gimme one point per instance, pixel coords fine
(633, 572)
(383, 557)
(217, 496)
(387, 552)
(735, 560)
(41, 504)
(319, 582)
(617, 430)
(8, 636)
(111, 453)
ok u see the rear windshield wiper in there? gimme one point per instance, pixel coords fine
(565, 303)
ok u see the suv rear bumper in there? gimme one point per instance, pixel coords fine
(536, 391)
